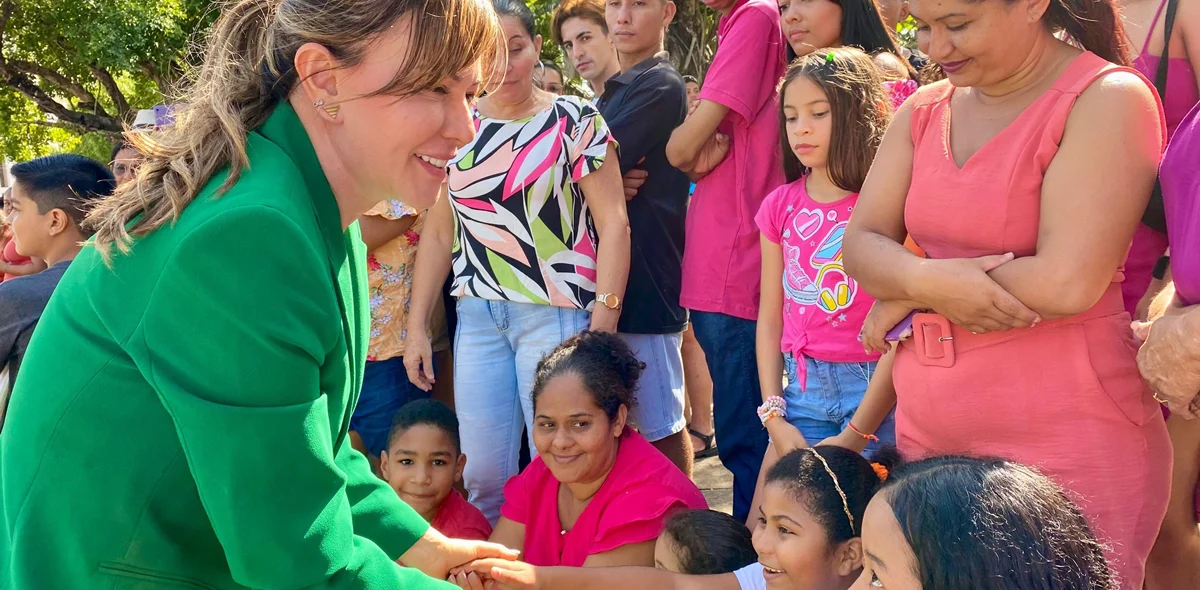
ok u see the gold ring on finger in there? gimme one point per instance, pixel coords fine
(1159, 399)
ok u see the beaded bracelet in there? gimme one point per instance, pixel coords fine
(869, 437)
(773, 407)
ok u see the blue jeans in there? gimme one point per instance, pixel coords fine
(728, 345)
(385, 390)
(832, 393)
(497, 347)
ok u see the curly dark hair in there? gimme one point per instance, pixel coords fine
(803, 475)
(990, 524)
(601, 360)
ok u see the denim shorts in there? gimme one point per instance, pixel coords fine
(830, 397)
(658, 412)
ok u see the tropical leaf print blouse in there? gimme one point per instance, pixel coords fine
(522, 229)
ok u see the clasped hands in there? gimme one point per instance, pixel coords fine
(1169, 359)
(960, 290)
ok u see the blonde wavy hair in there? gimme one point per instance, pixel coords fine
(248, 69)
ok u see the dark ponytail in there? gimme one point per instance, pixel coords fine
(1095, 25)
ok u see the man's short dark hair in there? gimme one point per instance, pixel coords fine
(429, 412)
(64, 181)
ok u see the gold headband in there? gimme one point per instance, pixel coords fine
(838, 487)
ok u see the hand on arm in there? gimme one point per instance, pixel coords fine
(695, 146)
(1093, 196)
(875, 256)
(429, 274)
(606, 201)
(515, 575)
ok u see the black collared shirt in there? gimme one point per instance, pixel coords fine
(642, 106)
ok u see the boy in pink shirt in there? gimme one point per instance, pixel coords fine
(730, 143)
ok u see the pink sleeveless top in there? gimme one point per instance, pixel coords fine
(1003, 179)
(1064, 396)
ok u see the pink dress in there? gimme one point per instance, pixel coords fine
(1064, 396)
(641, 491)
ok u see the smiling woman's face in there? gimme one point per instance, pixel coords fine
(889, 561)
(573, 436)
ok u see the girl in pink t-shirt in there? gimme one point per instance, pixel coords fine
(834, 110)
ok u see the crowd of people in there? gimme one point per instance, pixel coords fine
(390, 303)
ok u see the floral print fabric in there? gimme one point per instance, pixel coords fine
(522, 229)
(389, 277)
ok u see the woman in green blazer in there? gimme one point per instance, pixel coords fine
(181, 417)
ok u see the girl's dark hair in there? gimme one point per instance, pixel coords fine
(601, 360)
(859, 105)
(862, 27)
(803, 475)
(989, 524)
(518, 10)
(710, 542)
(1095, 25)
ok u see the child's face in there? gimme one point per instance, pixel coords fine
(794, 550)
(809, 25)
(693, 91)
(32, 230)
(666, 554)
(422, 466)
(808, 119)
(889, 562)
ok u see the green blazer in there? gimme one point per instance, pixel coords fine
(180, 420)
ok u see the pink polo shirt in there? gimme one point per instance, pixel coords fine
(721, 259)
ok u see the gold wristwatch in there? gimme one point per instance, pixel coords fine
(609, 300)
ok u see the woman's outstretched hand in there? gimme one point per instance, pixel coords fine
(960, 290)
(486, 574)
(437, 555)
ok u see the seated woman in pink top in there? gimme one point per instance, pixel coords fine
(1022, 177)
(597, 494)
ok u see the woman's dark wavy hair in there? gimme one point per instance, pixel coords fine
(989, 524)
(858, 104)
(862, 27)
(604, 363)
(805, 479)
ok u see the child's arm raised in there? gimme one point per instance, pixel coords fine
(878, 401)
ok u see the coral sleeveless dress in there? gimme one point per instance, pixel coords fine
(1064, 396)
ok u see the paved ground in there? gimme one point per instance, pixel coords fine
(716, 482)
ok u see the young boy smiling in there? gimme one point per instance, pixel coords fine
(423, 461)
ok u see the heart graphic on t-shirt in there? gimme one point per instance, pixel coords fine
(807, 223)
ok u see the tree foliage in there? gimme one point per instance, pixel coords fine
(74, 72)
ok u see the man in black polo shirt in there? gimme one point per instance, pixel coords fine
(642, 105)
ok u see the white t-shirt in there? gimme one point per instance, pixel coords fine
(751, 577)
